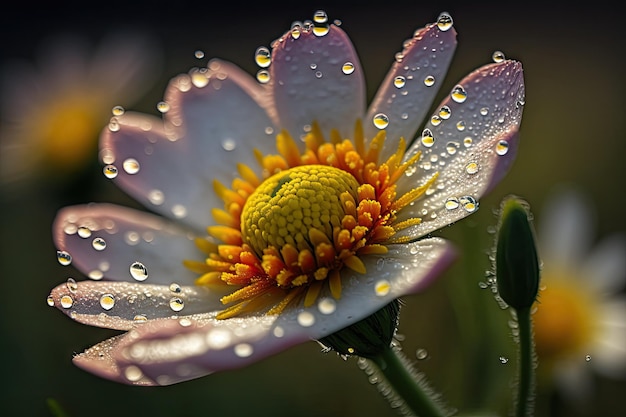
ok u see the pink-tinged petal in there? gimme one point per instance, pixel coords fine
(471, 147)
(407, 93)
(112, 242)
(164, 352)
(309, 81)
(215, 119)
(124, 305)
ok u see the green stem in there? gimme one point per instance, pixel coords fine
(526, 362)
(407, 383)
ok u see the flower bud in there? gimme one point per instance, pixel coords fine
(368, 337)
(517, 264)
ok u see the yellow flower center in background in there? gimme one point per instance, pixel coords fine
(288, 235)
(563, 322)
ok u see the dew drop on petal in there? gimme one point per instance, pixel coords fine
(95, 275)
(327, 306)
(175, 288)
(107, 301)
(469, 203)
(445, 112)
(64, 257)
(229, 144)
(163, 106)
(50, 301)
(67, 301)
(117, 111)
(114, 125)
(140, 318)
(110, 171)
(502, 147)
(179, 211)
(399, 81)
(99, 243)
(263, 76)
(421, 354)
(306, 319)
(156, 197)
(176, 304)
(278, 331)
(321, 29)
(444, 22)
(451, 147)
(84, 232)
(348, 68)
(588, 358)
(435, 120)
(131, 166)
(320, 16)
(71, 285)
(471, 168)
(199, 54)
(382, 287)
(460, 125)
(428, 140)
(452, 203)
(498, 56)
(138, 271)
(243, 350)
(263, 57)
(458, 94)
(467, 142)
(133, 373)
(381, 121)
(429, 81)
(484, 111)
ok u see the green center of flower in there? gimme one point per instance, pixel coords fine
(287, 205)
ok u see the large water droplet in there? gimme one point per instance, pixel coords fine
(99, 244)
(429, 81)
(498, 56)
(176, 304)
(117, 111)
(444, 22)
(71, 285)
(445, 112)
(458, 94)
(381, 121)
(263, 76)
(243, 350)
(263, 57)
(399, 81)
(163, 106)
(428, 140)
(67, 301)
(469, 203)
(64, 257)
(382, 287)
(320, 16)
(306, 319)
(110, 171)
(131, 166)
(138, 271)
(348, 68)
(327, 306)
(502, 147)
(107, 301)
(471, 168)
(452, 203)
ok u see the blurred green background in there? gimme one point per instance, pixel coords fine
(572, 133)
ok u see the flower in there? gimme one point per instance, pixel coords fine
(52, 115)
(581, 317)
(312, 211)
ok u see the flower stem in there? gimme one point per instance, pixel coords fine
(408, 383)
(526, 362)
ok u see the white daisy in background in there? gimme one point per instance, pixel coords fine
(52, 110)
(580, 321)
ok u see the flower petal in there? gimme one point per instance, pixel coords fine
(215, 118)
(609, 353)
(309, 83)
(473, 147)
(606, 265)
(124, 305)
(163, 352)
(117, 243)
(407, 93)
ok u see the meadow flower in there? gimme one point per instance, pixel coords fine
(52, 110)
(286, 209)
(580, 321)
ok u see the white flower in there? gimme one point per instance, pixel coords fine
(580, 321)
(319, 209)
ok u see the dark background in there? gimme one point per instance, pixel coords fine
(572, 133)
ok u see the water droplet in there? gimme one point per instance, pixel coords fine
(229, 144)
(114, 125)
(95, 274)
(502, 147)
(71, 284)
(199, 78)
(163, 106)
(452, 203)
(445, 112)
(156, 197)
(484, 111)
(179, 211)
(469, 203)
(458, 94)
(263, 57)
(471, 168)
(429, 81)
(318, 74)
(117, 111)
(263, 76)
(84, 232)
(64, 257)
(451, 147)
(444, 22)
(99, 244)
(243, 350)
(503, 360)
(435, 120)
(428, 139)
(175, 288)
(107, 301)
(467, 141)
(421, 354)
(382, 287)
(296, 31)
(320, 16)
(498, 56)
(138, 271)
(381, 121)
(131, 166)
(176, 304)
(460, 125)
(67, 301)
(348, 68)
(399, 81)
(588, 358)
(306, 319)
(110, 171)
(50, 301)
(327, 306)
(140, 318)
(321, 29)
(199, 54)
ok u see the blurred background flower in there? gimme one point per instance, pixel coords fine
(580, 320)
(53, 107)
(573, 132)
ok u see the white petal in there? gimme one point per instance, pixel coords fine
(164, 352)
(309, 84)
(112, 242)
(467, 168)
(609, 353)
(428, 54)
(124, 305)
(606, 264)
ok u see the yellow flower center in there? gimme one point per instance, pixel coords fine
(286, 237)
(563, 322)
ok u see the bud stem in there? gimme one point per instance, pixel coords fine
(526, 363)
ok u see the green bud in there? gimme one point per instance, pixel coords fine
(517, 264)
(368, 337)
